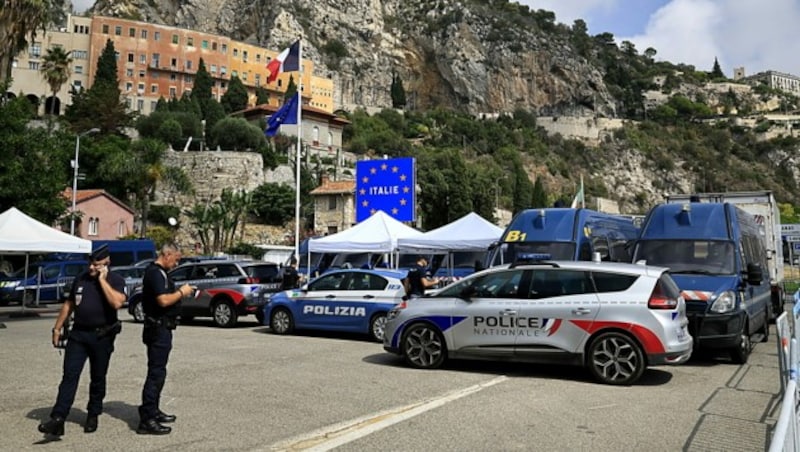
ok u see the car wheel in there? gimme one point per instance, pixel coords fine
(615, 359)
(741, 352)
(377, 326)
(138, 312)
(224, 314)
(424, 347)
(281, 321)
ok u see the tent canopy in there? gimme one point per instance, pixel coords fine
(377, 234)
(21, 234)
(469, 233)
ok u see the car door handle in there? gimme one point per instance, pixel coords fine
(581, 311)
(329, 297)
(369, 297)
(507, 312)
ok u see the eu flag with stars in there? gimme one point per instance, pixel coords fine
(386, 185)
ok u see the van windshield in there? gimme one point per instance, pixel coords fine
(508, 252)
(705, 257)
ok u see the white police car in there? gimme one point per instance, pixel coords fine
(613, 318)
(351, 300)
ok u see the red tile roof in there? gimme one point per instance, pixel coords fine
(85, 195)
(330, 187)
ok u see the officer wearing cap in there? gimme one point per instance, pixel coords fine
(94, 299)
(162, 306)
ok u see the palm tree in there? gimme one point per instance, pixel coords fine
(55, 71)
(20, 20)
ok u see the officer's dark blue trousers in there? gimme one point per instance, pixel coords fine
(83, 345)
(159, 343)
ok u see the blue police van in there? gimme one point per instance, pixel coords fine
(52, 279)
(717, 255)
(565, 234)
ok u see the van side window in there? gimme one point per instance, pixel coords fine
(619, 250)
(51, 272)
(121, 258)
(600, 245)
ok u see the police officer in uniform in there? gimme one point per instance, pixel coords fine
(418, 278)
(291, 278)
(95, 297)
(162, 305)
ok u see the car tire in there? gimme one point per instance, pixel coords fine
(137, 311)
(281, 321)
(423, 346)
(377, 326)
(741, 352)
(224, 314)
(615, 358)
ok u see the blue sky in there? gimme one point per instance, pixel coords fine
(757, 34)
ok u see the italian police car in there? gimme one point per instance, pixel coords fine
(351, 300)
(613, 318)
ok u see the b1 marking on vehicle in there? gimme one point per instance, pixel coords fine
(335, 310)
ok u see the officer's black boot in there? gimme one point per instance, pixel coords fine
(152, 427)
(55, 426)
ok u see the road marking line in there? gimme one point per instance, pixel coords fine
(336, 435)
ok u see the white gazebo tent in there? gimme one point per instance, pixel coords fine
(21, 234)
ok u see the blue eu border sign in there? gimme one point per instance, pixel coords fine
(386, 185)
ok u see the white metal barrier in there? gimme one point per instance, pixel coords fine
(786, 436)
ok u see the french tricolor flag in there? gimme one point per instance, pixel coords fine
(286, 61)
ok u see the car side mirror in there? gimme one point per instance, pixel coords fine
(755, 275)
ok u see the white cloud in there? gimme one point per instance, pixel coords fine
(82, 5)
(569, 10)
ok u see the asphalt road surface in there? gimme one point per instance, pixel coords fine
(247, 389)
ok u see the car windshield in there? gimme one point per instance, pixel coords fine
(509, 252)
(262, 272)
(354, 260)
(467, 259)
(704, 257)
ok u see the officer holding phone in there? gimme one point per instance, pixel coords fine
(162, 306)
(95, 297)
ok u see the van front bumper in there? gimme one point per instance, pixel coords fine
(711, 330)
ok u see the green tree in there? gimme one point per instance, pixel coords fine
(55, 71)
(236, 97)
(398, 93)
(101, 105)
(203, 83)
(237, 134)
(291, 89)
(273, 203)
(539, 196)
(716, 72)
(262, 95)
(34, 163)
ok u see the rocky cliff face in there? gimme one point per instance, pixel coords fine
(456, 54)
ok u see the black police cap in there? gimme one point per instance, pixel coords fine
(99, 254)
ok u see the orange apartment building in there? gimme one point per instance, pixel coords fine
(155, 61)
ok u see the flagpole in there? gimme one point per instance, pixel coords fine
(583, 194)
(297, 153)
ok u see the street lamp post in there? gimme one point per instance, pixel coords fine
(75, 176)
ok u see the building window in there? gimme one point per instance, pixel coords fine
(280, 83)
(214, 46)
(79, 54)
(121, 229)
(153, 105)
(132, 32)
(118, 30)
(36, 50)
(143, 58)
(155, 60)
(175, 39)
(156, 36)
(244, 76)
(204, 44)
(235, 52)
(258, 58)
(213, 68)
(140, 105)
(187, 78)
(77, 85)
(330, 138)
(223, 70)
(130, 58)
(234, 73)
(190, 41)
(128, 103)
(224, 48)
(174, 63)
(144, 34)
(244, 55)
(172, 92)
(153, 88)
(173, 77)
(332, 202)
(129, 72)
(105, 29)
(315, 135)
(33, 65)
(189, 64)
(258, 79)
(140, 87)
(128, 86)
(94, 225)
(141, 74)
(78, 70)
